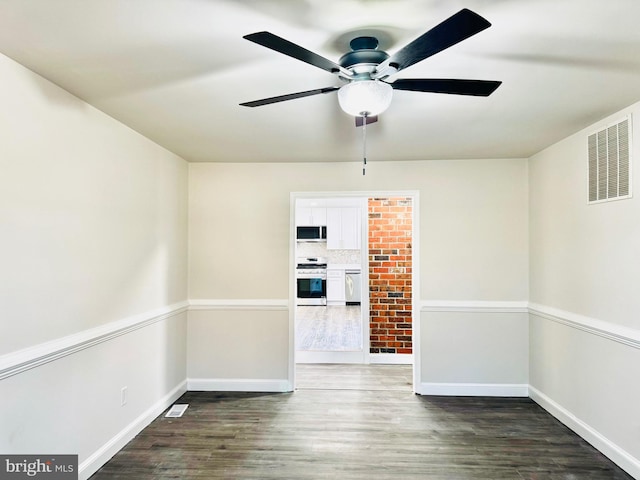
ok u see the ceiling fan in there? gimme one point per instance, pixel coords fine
(365, 69)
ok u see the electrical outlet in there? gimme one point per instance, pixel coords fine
(123, 396)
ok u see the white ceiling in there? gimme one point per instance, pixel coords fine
(176, 70)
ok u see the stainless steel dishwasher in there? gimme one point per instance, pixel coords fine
(352, 287)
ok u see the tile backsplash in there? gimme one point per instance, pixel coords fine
(333, 256)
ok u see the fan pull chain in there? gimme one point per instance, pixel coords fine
(364, 144)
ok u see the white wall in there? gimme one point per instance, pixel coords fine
(93, 285)
(473, 248)
(584, 257)
(93, 279)
(475, 350)
(585, 322)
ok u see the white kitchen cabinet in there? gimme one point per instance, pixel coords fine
(311, 216)
(343, 228)
(335, 287)
(350, 228)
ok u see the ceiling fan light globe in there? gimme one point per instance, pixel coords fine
(365, 97)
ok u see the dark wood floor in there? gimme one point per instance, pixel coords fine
(349, 431)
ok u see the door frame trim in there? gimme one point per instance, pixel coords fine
(415, 271)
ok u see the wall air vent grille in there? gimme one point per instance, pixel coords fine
(610, 163)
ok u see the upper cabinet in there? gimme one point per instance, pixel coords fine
(311, 216)
(343, 228)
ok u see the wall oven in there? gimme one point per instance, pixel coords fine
(311, 281)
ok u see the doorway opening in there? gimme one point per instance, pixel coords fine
(368, 311)
(329, 267)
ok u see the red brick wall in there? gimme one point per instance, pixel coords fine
(390, 275)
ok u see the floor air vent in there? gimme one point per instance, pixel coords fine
(177, 410)
(610, 163)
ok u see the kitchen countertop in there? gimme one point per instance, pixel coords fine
(344, 266)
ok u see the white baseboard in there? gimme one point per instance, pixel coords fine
(619, 456)
(474, 389)
(238, 385)
(113, 446)
(391, 358)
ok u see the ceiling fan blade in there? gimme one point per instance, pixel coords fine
(290, 96)
(479, 88)
(456, 28)
(370, 119)
(279, 44)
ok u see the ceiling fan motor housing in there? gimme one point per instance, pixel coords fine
(364, 52)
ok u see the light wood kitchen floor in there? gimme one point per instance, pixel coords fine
(328, 328)
(361, 432)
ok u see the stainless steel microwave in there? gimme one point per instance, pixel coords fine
(311, 234)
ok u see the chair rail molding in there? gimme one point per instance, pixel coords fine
(474, 306)
(20, 361)
(611, 331)
(238, 304)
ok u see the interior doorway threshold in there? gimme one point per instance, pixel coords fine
(355, 377)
